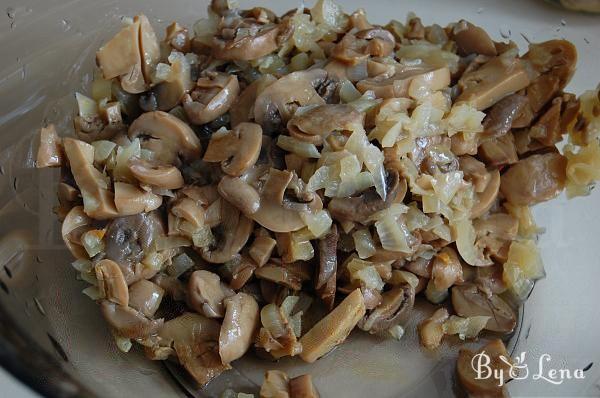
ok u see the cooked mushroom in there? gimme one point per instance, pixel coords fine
(485, 200)
(499, 119)
(446, 269)
(237, 331)
(534, 179)
(471, 39)
(431, 330)
(149, 47)
(206, 293)
(156, 175)
(50, 153)
(316, 123)
(261, 249)
(396, 305)
(494, 80)
(168, 94)
(499, 151)
(174, 136)
(547, 129)
(413, 82)
(239, 272)
(128, 322)
(212, 97)
(381, 42)
(289, 275)
(302, 387)
(98, 201)
(334, 328)
(237, 150)
(242, 109)
(477, 386)
(275, 385)
(195, 340)
(130, 200)
(474, 172)
(111, 282)
(251, 46)
(121, 53)
(76, 222)
(361, 207)
(283, 96)
(171, 285)
(145, 296)
(325, 281)
(468, 300)
(554, 57)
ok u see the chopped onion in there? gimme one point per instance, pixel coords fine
(396, 332)
(272, 320)
(463, 118)
(393, 235)
(583, 168)
(82, 265)
(92, 241)
(348, 92)
(425, 120)
(88, 108)
(526, 255)
(527, 225)
(329, 13)
(318, 223)
(364, 243)
(371, 156)
(203, 237)
(121, 170)
(465, 236)
(300, 61)
(366, 102)
(101, 88)
(300, 148)
(415, 218)
(93, 292)
(123, 343)
(434, 295)
(366, 273)
(465, 328)
(288, 305)
(517, 283)
(103, 149)
(446, 185)
(399, 277)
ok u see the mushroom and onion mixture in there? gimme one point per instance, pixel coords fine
(271, 183)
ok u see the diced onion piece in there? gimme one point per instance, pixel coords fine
(465, 236)
(396, 332)
(288, 305)
(527, 225)
(329, 13)
(82, 265)
(88, 108)
(93, 292)
(101, 88)
(300, 61)
(514, 279)
(320, 178)
(434, 295)
(300, 148)
(393, 235)
(425, 120)
(121, 170)
(203, 237)
(446, 185)
(399, 277)
(583, 168)
(318, 223)
(364, 243)
(123, 343)
(349, 167)
(180, 264)
(272, 320)
(465, 328)
(92, 241)
(526, 255)
(463, 118)
(415, 218)
(348, 92)
(366, 102)
(351, 186)
(366, 273)
(102, 150)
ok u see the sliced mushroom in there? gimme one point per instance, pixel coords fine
(485, 200)
(242, 109)
(414, 82)
(195, 340)
(75, 223)
(247, 47)
(156, 175)
(446, 269)
(471, 39)
(395, 308)
(316, 123)
(494, 80)
(303, 387)
(98, 201)
(240, 194)
(499, 119)
(128, 322)
(275, 385)
(145, 296)
(288, 275)
(238, 273)
(431, 330)
(334, 328)
(500, 151)
(361, 207)
(468, 300)
(261, 249)
(534, 179)
(130, 200)
(121, 53)
(174, 136)
(212, 97)
(206, 293)
(238, 328)
(555, 57)
(325, 281)
(477, 386)
(149, 47)
(283, 96)
(474, 172)
(237, 150)
(381, 42)
(547, 129)
(50, 153)
(111, 282)
(169, 93)
(171, 285)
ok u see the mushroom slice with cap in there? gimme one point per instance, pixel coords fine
(98, 201)
(212, 97)
(302, 387)
(394, 309)
(535, 179)
(121, 53)
(500, 363)
(237, 331)
(74, 225)
(485, 200)
(111, 282)
(50, 153)
(555, 57)
(334, 328)
(156, 175)
(500, 117)
(127, 322)
(414, 82)
(468, 300)
(168, 94)
(206, 293)
(257, 43)
(240, 194)
(316, 123)
(145, 296)
(195, 340)
(471, 39)
(232, 234)
(325, 282)
(131, 200)
(360, 208)
(242, 109)
(237, 149)
(175, 136)
(446, 269)
(149, 47)
(261, 249)
(494, 80)
(287, 93)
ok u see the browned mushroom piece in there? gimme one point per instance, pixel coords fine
(239, 326)
(494, 80)
(471, 39)
(111, 282)
(381, 42)
(495, 234)
(325, 280)
(212, 97)
(334, 328)
(232, 234)
(242, 109)
(468, 300)
(303, 387)
(50, 153)
(171, 136)
(535, 179)
(275, 385)
(195, 340)
(547, 129)
(316, 123)
(248, 46)
(498, 357)
(350, 50)
(280, 99)
(474, 172)
(359, 208)
(485, 199)
(145, 296)
(238, 273)
(127, 322)
(431, 330)
(76, 222)
(171, 285)
(237, 149)
(497, 152)
(149, 47)
(130, 200)
(156, 175)
(412, 82)
(555, 57)
(98, 201)
(499, 119)
(395, 308)
(289, 275)
(446, 269)
(261, 249)
(168, 94)
(206, 293)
